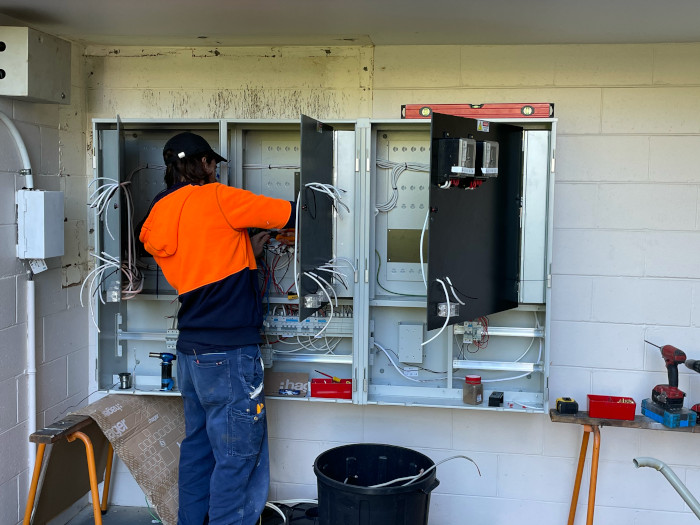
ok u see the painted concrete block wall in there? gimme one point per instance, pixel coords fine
(58, 159)
(625, 249)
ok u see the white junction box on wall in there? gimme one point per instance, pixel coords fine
(34, 66)
(39, 224)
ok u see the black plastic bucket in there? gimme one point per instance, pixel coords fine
(346, 474)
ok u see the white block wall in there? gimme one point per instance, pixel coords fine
(55, 140)
(625, 248)
(625, 253)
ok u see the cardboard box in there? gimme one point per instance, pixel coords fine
(286, 384)
(146, 432)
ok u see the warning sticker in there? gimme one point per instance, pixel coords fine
(482, 125)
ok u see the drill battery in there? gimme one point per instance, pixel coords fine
(669, 417)
(566, 405)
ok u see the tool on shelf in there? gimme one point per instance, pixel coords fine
(166, 369)
(669, 396)
(694, 364)
(666, 402)
(567, 405)
(335, 379)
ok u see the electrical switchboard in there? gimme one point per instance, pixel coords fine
(420, 254)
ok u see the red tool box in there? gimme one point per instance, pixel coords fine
(331, 389)
(479, 111)
(611, 407)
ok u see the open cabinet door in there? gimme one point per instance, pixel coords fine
(474, 219)
(315, 228)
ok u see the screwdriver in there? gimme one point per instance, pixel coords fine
(335, 379)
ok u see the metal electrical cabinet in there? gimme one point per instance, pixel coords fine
(478, 247)
(133, 307)
(381, 267)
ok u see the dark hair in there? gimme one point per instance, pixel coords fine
(187, 169)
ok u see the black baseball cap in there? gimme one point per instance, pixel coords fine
(188, 145)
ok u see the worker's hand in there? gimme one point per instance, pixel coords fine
(259, 240)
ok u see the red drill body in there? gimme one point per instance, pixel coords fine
(669, 396)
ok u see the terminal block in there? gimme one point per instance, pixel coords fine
(443, 312)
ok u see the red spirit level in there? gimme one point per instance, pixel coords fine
(479, 111)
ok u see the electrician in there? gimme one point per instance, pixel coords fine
(197, 232)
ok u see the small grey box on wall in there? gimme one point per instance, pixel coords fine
(34, 66)
(39, 224)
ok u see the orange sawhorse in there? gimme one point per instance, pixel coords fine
(587, 430)
(69, 428)
(592, 425)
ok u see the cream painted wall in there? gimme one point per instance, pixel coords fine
(55, 139)
(626, 250)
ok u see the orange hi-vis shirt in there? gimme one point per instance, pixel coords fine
(198, 235)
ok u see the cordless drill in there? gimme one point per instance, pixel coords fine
(694, 365)
(669, 396)
(166, 369)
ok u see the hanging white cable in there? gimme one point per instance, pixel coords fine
(412, 479)
(296, 242)
(532, 341)
(329, 302)
(454, 294)
(292, 502)
(447, 318)
(420, 248)
(344, 259)
(24, 155)
(278, 511)
(391, 360)
(338, 275)
(328, 285)
(539, 357)
(330, 190)
(270, 167)
(397, 168)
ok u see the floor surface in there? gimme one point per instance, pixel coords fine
(301, 515)
(116, 516)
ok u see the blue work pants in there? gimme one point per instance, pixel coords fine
(224, 467)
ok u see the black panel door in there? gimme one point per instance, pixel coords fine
(315, 228)
(474, 233)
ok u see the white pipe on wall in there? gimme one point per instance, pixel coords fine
(672, 478)
(26, 166)
(30, 302)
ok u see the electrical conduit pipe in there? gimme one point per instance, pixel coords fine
(672, 478)
(31, 321)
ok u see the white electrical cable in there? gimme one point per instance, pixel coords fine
(447, 318)
(343, 259)
(270, 167)
(296, 250)
(404, 373)
(397, 168)
(454, 294)
(412, 479)
(330, 190)
(328, 285)
(339, 275)
(420, 248)
(329, 302)
(278, 511)
(539, 357)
